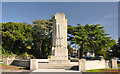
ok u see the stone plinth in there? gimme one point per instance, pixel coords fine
(33, 64)
(107, 64)
(82, 65)
(114, 64)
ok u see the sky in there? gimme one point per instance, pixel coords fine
(104, 13)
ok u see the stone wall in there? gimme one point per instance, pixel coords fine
(32, 63)
(23, 63)
(38, 63)
(108, 64)
(96, 64)
(8, 61)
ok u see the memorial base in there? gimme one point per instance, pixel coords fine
(59, 62)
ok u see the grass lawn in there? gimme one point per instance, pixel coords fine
(103, 70)
(1, 61)
(94, 70)
(118, 65)
(4, 66)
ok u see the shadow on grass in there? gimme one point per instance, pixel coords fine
(74, 68)
(25, 68)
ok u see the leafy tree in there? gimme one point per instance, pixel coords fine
(16, 37)
(102, 52)
(42, 37)
(77, 36)
(69, 49)
(92, 37)
(115, 50)
(23, 38)
(118, 41)
(40, 32)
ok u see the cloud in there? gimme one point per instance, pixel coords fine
(109, 16)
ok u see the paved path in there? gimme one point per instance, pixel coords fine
(51, 71)
(54, 70)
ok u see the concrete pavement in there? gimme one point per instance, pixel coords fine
(48, 71)
(54, 70)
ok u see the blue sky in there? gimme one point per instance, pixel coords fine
(104, 13)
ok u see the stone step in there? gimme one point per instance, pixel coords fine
(56, 66)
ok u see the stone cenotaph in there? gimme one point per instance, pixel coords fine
(59, 46)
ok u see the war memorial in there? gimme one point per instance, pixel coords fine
(59, 47)
(59, 57)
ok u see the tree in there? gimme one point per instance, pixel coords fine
(115, 50)
(118, 41)
(42, 37)
(92, 37)
(40, 32)
(69, 49)
(24, 38)
(16, 37)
